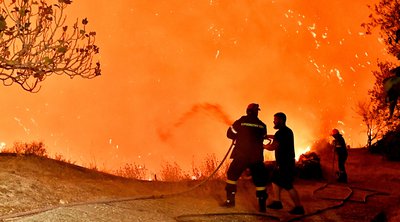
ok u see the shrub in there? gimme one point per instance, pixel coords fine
(33, 148)
(389, 145)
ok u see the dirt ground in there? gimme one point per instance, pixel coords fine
(39, 189)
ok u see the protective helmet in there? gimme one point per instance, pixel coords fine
(253, 107)
(334, 132)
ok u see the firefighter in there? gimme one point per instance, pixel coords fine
(339, 145)
(248, 132)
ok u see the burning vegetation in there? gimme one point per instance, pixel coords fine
(309, 166)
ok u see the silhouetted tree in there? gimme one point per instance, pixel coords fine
(385, 16)
(375, 112)
(35, 43)
(372, 121)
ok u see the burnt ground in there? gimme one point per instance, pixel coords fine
(39, 189)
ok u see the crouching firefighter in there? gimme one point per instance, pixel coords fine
(339, 145)
(248, 133)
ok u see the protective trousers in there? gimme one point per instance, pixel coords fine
(230, 189)
(342, 175)
(262, 197)
(259, 176)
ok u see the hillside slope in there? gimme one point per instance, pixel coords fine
(39, 189)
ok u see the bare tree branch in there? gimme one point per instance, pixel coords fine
(386, 16)
(35, 43)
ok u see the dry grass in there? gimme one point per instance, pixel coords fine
(61, 158)
(208, 166)
(132, 171)
(173, 172)
(169, 171)
(31, 182)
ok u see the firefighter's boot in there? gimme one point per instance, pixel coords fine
(230, 195)
(262, 197)
(342, 177)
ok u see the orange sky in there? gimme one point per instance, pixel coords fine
(160, 59)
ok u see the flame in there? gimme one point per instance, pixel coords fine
(302, 151)
(2, 146)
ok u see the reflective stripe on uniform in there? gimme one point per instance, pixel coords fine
(233, 130)
(260, 188)
(253, 125)
(231, 182)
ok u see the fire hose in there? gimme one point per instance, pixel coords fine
(182, 218)
(342, 201)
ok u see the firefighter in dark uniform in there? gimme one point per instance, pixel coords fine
(248, 132)
(339, 145)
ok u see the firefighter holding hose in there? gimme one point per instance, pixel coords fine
(339, 145)
(248, 132)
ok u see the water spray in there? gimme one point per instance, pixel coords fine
(214, 110)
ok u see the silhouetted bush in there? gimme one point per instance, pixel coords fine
(327, 159)
(389, 145)
(308, 166)
(32, 148)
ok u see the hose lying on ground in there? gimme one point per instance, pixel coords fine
(342, 201)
